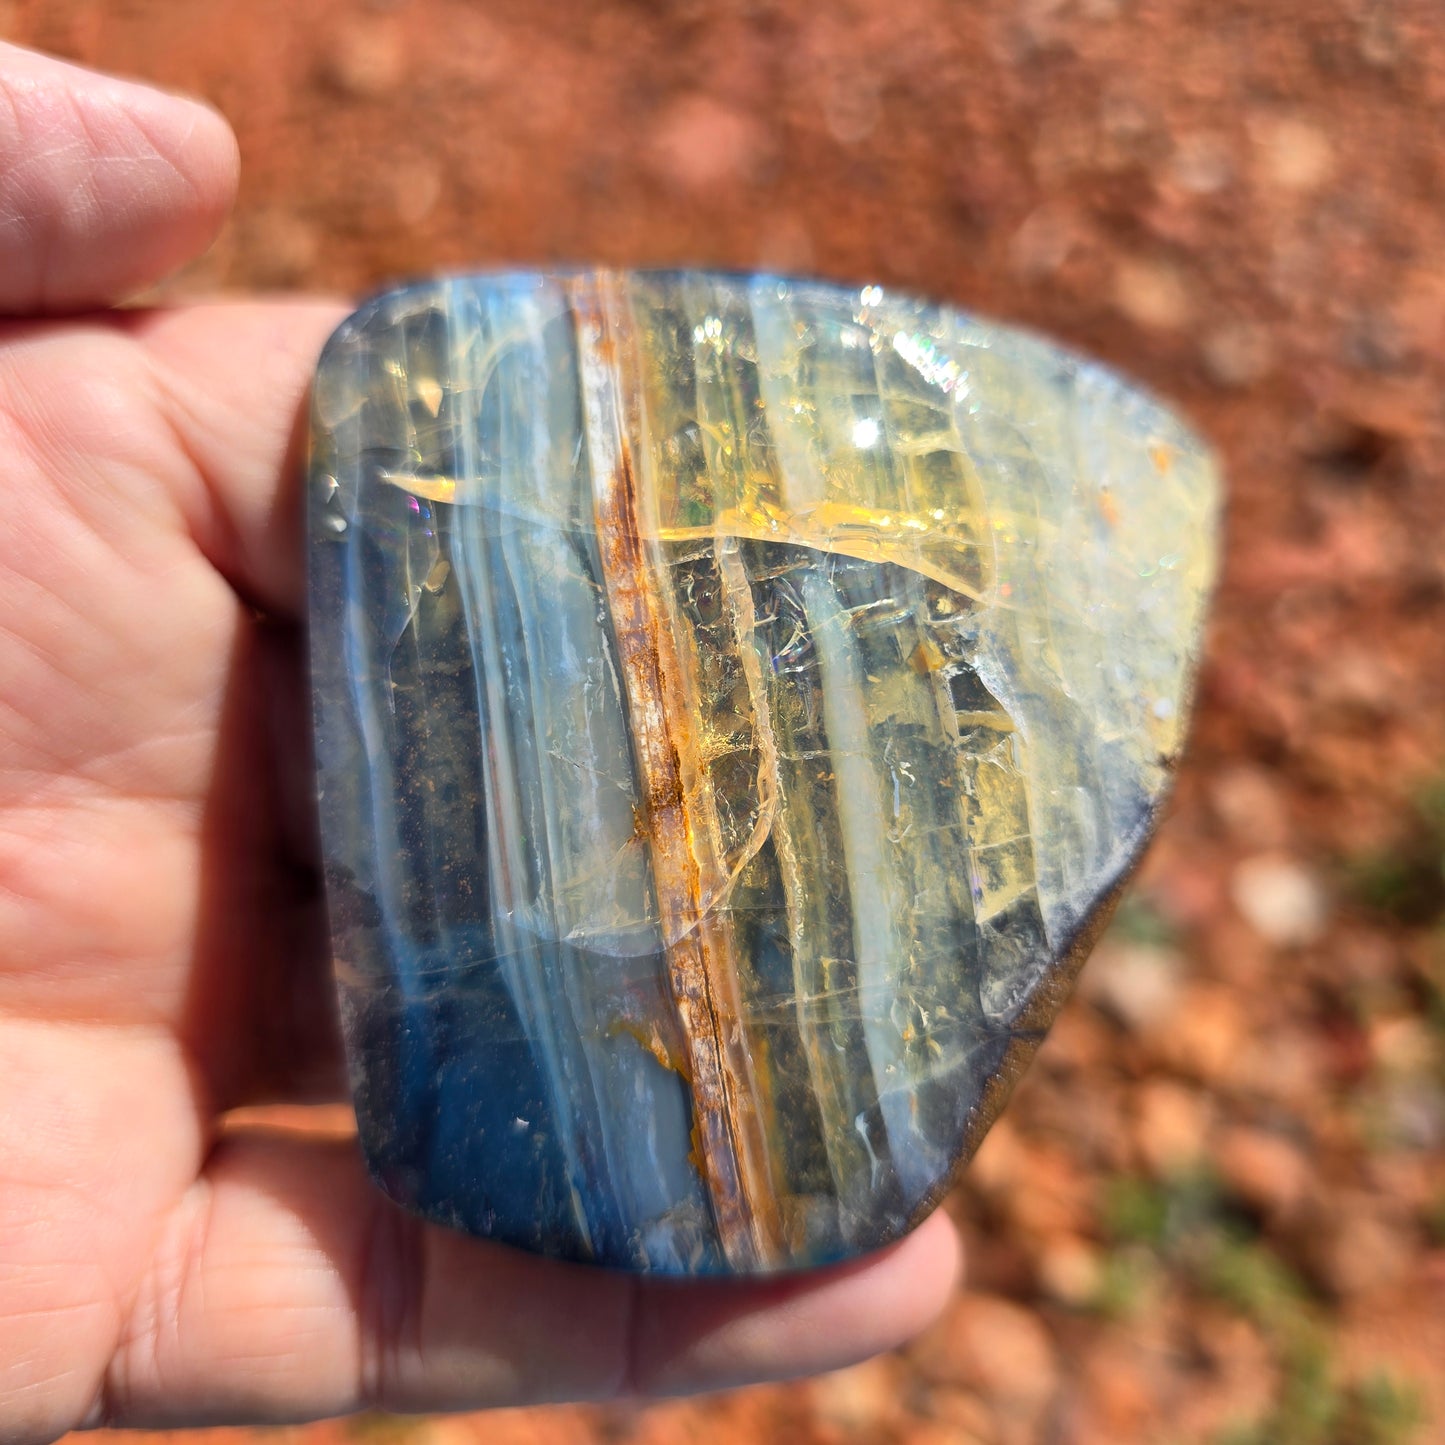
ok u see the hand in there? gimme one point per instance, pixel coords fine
(162, 950)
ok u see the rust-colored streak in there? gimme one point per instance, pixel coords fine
(730, 1143)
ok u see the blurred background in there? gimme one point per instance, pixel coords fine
(1215, 1210)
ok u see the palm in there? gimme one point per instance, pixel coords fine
(162, 956)
(152, 889)
(150, 724)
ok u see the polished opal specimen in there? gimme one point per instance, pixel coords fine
(738, 701)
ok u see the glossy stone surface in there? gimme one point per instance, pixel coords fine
(737, 701)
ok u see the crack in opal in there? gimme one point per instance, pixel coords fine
(737, 700)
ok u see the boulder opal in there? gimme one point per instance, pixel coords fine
(738, 702)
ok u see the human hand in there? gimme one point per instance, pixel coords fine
(162, 946)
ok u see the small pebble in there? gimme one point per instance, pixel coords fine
(1250, 801)
(1281, 900)
(1237, 354)
(1202, 163)
(996, 1347)
(1047, 238)
(1070, 1272)
(1356, 1247)
(1170, 1126)
(864, 1398)
(1293, 154)
(365, 61)
(1135, 983)
(1264, 1169)
(1152, 294)
(700, 144)
(1205, 1034)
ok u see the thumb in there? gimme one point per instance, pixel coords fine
(105, 186)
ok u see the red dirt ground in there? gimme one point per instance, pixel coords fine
(1217, 1204)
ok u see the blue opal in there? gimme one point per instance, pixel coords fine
(738, 702)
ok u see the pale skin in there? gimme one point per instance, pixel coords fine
(162, 946)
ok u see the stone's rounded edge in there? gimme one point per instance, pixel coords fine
(1133, 391)
(1032, 1024)
(1088, 368)
(1031, 1028)
(353, 327)
(342, 338)
(1211, 473)
(354, 324)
